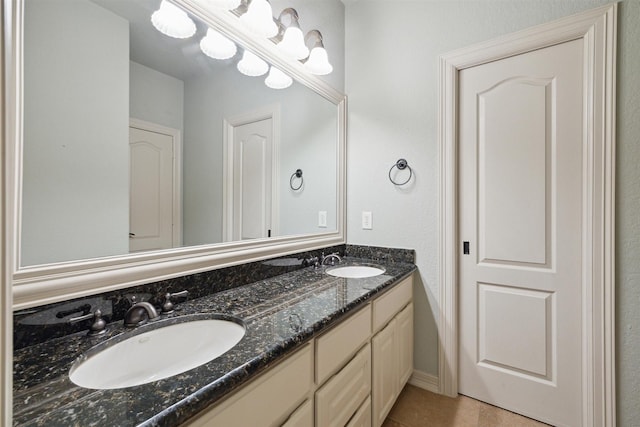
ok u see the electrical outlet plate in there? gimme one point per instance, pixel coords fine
(367, 221)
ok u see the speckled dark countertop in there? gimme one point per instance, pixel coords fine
(44, 395)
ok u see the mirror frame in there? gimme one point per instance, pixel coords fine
(48, 283)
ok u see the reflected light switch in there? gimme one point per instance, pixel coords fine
(322, 219)
(367, 221)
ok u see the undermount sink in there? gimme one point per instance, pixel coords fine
(162, 351)
(355, 271)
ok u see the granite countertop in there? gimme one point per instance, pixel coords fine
(44, 395)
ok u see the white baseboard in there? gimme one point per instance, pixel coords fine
(425, 381)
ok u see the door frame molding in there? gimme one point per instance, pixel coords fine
(229, 124)
(597, 28)
(177, 171)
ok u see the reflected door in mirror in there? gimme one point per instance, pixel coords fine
(151, 193)
(252, 183)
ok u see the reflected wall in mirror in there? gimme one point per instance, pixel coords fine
(135, 141)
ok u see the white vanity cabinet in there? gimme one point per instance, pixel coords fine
(335, 347)
(385, 368)
(268, 400)
(392, 348)
(340, 398)
(404, 328)
(362, 418)
(385, 328)
(343, 369)
(349, 376)
(302, 417)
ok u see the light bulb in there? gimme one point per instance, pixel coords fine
(292, 43)
(318, 62)
(173, 21)
(277, 79)
(259, 19)
(217, 46)
(251, 65)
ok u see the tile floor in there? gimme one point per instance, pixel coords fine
(420, 408)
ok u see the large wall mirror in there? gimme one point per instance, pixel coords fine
(138, 157)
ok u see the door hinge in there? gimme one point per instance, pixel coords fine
(465, 248)
(268, 233)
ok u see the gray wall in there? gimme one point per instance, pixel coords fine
(309, 135)
(391, 79)
(156, 97)
(76, 152)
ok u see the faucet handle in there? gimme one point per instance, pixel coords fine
(167, 306)
(99, 325)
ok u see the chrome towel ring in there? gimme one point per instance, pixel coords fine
(401, 164)
(296, 174)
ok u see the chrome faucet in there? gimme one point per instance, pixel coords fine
(139, 313)
(334, 258)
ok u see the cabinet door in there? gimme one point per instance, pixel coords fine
(385, 372)
(404, 328)
(342, 395)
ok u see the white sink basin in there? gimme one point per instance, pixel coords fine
(156, 354)
(355, 271)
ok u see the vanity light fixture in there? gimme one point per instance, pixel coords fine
(277, 79)
(259, 19)
(318, 62)
(173, 21)
(217, 46)
(292, 43)
(252, 66)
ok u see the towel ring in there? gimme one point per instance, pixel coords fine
(296, 174)
(401, 164)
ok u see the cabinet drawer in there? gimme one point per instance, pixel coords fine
(268, 400)
(334, 348)
(388, 305)
(362, 418)
(302, 417)
(342, 395)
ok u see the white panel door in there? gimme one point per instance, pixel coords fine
(252, 186)
(150, 190)
(520, 212)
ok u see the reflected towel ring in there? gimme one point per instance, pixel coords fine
(296, 174)
(401, 164)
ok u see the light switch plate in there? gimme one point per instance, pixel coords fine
(322, 219)
(367, 221)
